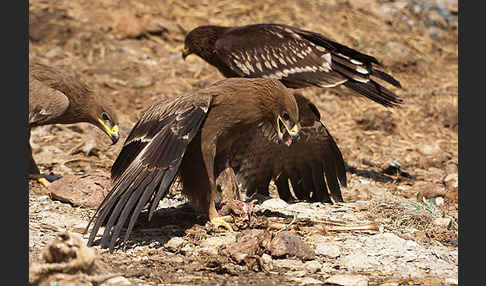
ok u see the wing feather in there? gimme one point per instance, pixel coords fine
(300, 58)
(148, 163)
(312, 164)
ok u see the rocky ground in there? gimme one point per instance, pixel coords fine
(398, 226)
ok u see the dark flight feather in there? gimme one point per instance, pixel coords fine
(312, 164)
(147, 165)
(297, 57)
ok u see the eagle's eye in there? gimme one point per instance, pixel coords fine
(105, 116)
(286, 116)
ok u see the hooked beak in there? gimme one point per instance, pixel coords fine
(185, 53)
(113, 132)
(293, 133)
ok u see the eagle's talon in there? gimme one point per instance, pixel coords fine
(44, 182)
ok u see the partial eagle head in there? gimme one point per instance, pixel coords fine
(281, 103)
(201, 41)
(104, 117)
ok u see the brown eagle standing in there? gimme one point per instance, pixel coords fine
(57, 96)
(197, 135)
(296, 57)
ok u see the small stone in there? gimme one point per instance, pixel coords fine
(348, 280)
(274, 204)
(390, 284)
(359, 261)
(289, 244)
(217, 241)
(429, 191)
(211, 251)
(327, 249)
(174, 243)
(312, 266)
(307, 281)
(267, 260)
(442, 221)
(451, 181)
(116, 281)
(288, 264)
(451, 281)
(439, 201)
(429, 150)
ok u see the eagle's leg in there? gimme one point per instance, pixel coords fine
(208, 156)
(214, 217)
(34, 172)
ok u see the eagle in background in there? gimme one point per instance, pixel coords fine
(58, 96)
(296, 57)
(196, 136)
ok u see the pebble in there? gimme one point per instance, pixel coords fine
(327, 249)
(116, 281)
(348, 280)
(288, 244)
(442, 221)
(174, 243)
(307, 281)
(312, 266)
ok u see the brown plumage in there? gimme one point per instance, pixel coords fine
(58, 96)
(256, 162)
(192, 136)
(296, 57)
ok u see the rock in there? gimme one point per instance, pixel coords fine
(327, 249)
(288, 244)
(451, 182)
(174, 243)
(288, 264)
(87, 190)
(250, 242)
(390, 284)
(312, 266)
(217, 241)
(429, 150)
(307, 281)
(267, 260)
(429, 190)
(273, 204)
(451, 281)
(442, 221)
(359, 261)
(348, 280)
(116, 281)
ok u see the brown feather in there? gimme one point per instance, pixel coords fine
(297, 57)
(313, 164)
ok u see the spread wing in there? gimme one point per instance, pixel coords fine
(301, 58)
(148, 163)
(313, 164)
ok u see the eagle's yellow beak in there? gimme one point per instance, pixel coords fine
(292, 132)
(185, 52)
(112, 132)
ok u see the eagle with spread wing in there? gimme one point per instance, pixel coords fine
(196, 136)
(255, 161)
(58, 96)
(296, 57)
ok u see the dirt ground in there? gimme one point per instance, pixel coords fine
(130, 51)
